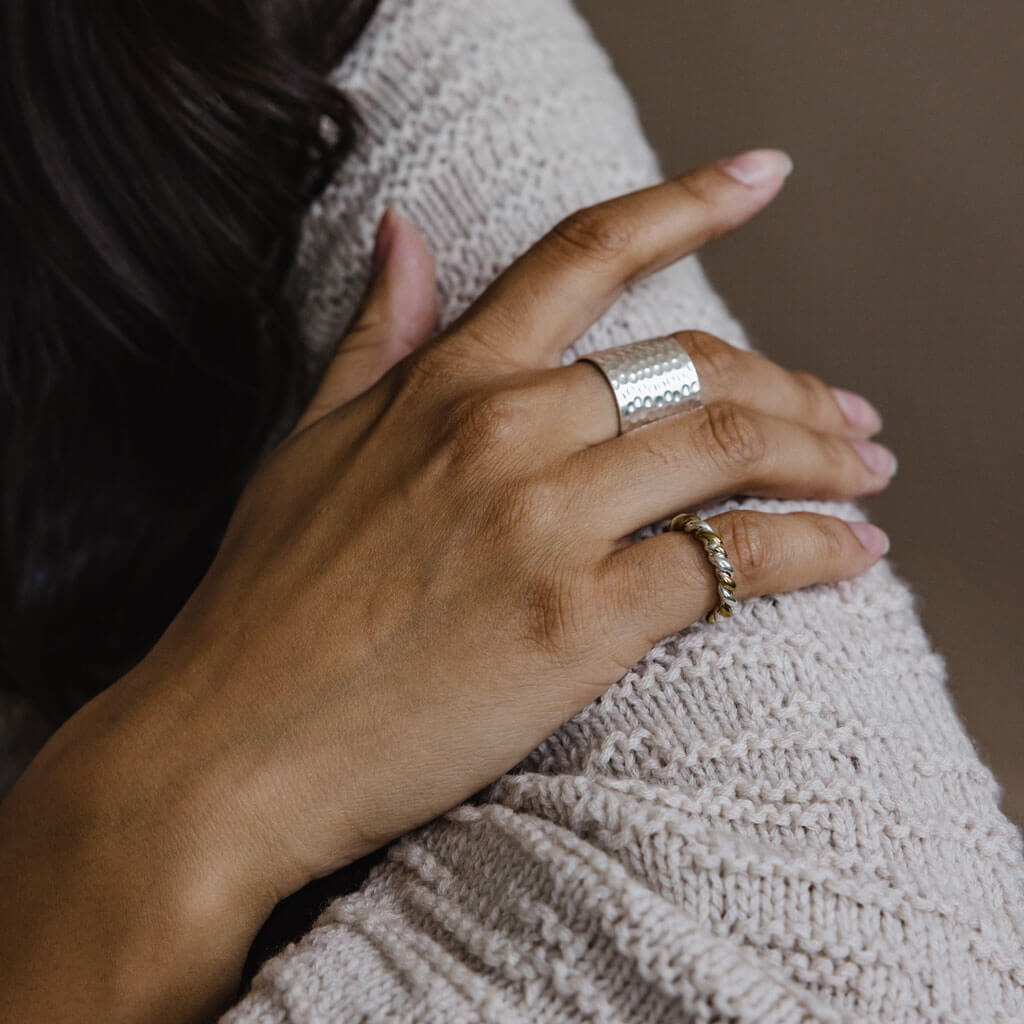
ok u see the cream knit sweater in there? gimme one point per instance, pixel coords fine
(778, 818)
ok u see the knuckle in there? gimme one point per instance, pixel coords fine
(700, 188)
(841, 461)
(714, 358)
(830, 539)
(732, 435)
(526, 521)
(819, 405)
(495, 413)
(594, 232)
(490, 422)
(556, 608)
(841, 469)
(751, 545)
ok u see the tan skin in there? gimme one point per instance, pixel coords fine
(422, 582)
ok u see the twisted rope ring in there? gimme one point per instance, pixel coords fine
(715, 550)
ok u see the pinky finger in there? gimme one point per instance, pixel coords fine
(666, 583)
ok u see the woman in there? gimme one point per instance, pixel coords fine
(424, 573)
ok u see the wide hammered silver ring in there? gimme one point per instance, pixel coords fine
(649, 379)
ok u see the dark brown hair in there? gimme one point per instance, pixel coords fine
(157, 158)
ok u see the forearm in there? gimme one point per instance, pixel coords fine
(127, 895)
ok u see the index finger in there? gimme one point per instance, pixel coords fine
(556, 290)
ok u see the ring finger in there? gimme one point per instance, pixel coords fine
(664, 583)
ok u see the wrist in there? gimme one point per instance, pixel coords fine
(130, 892)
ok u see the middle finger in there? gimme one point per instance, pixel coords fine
(726, 373)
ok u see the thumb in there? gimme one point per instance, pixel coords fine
(398, 314)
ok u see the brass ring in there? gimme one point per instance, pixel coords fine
(715, 551)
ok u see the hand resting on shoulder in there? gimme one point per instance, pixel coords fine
(437, 491)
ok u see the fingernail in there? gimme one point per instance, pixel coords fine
(877, 457)
(383, 241)
(859, 412)
(758, 166)
(872, 538)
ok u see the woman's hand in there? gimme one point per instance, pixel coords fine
(434, 570)
(422, 582)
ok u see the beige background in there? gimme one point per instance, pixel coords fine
(891, 264)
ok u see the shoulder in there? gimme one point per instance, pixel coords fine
(485, 121)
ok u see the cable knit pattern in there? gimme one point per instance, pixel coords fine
(775, 819)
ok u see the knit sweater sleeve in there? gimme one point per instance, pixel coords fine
(779, 818)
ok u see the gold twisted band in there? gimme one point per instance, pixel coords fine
(716, 556)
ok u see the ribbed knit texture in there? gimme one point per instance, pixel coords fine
(775, 819)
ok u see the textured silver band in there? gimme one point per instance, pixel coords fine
(650, 379)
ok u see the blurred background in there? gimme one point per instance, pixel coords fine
(890, 264)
